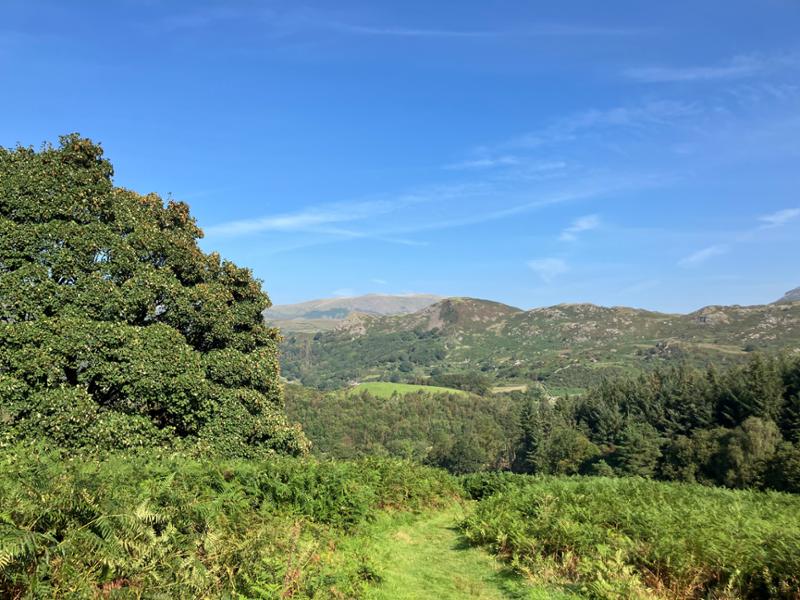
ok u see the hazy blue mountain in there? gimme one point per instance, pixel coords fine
(327, 313)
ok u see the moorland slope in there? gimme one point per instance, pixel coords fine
(570, 345)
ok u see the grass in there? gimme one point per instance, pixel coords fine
(561, 391)
(385, 389)
(504, 389)
(423, 556)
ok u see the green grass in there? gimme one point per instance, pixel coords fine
(423, 556)
(504, 389)
(385, 389)
(561, 391)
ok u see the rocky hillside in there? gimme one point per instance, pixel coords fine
(791, 296)
(326, 314)
(569, 345)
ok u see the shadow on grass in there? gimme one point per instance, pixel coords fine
(513, 585)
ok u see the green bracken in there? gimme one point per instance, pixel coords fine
(167, 526)
(627, 538)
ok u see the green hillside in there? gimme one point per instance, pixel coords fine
(569, 345)
(386, 389)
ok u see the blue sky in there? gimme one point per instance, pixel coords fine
(632, 153)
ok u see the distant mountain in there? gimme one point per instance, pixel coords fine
(569, 345)
(325, 314)
(791, 296)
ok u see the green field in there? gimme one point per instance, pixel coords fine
(385, 389)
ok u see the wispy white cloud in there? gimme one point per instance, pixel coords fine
(323, 221)
(540, 30)
(329, 218)
(651, 112)
(591, 188)
(299, 19)
(335, 221)
(484, 163)
(378, 281)
(570, 128)
(395, 31)
(779, 218)
(585, 223)
(701, 256)
(324, 237)
(205, 17)
(769, 221)
(306, 219)
(548, 268)
(738, 67)
(566, 30)
(512, 192)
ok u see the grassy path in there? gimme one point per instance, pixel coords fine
(425, 557)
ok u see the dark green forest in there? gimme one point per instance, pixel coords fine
(738, 427)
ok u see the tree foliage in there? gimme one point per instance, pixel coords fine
(459, 432)
(116, 329)
(737, 428)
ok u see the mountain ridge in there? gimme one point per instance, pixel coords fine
(326, 313)
(790, 296)
(571, 345)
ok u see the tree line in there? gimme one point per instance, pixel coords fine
(738, 427)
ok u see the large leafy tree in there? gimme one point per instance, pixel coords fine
(116, 330)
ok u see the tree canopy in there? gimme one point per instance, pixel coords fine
(116, 329)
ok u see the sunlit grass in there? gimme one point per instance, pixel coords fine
(385, 389)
